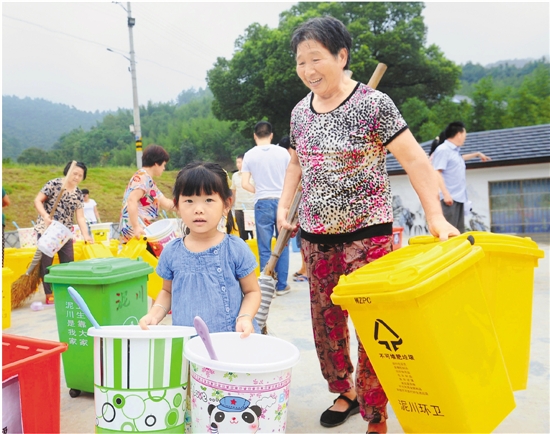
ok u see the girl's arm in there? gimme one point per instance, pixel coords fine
(160, 307)
(250, 304)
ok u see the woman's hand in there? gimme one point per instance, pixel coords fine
(47, 220)
(244, 324)
(88, 239)
(441, 228)
(138, 231)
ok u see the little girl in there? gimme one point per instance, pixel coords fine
(206, 272)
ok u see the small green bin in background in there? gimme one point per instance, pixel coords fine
(115, 290)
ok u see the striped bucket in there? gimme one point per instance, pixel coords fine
(140, 378)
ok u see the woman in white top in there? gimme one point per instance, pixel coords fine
(90, 208)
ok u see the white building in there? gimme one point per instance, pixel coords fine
(509, 194)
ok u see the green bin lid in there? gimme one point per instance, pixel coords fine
(412, 272)
(98, 271)
(491, 242)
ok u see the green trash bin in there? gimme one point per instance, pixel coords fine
(115, 290)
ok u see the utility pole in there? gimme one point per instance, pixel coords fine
(137, 124)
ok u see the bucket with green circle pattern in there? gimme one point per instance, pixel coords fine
(140, 378)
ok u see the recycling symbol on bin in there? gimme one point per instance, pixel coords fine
(385, 336)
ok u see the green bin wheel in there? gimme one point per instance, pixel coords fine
(74, 393)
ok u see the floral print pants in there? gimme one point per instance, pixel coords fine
(325, 264)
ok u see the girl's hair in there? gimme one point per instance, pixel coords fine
(78, 164)
(199, 178)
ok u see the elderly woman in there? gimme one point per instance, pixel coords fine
(341, 132)
(70, 205)
(142, 198)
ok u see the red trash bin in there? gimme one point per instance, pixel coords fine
(397, 237)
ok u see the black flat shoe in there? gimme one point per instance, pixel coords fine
(331, 418)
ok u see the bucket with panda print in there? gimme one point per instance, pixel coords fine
(246, 390)
(140, 378)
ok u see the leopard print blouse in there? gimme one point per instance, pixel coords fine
(66, 208)
(343, 159)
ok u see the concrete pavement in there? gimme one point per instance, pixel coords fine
(289, 319)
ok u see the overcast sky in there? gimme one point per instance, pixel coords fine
(58, 51)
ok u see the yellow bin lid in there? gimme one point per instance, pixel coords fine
(491, 242)
(412, 273)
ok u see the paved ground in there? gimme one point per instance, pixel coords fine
(289, 319)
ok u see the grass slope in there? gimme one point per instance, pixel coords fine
(106, 185)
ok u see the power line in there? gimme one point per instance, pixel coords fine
(177, 39)
(97, 43)
(184, 35)
(55, 31)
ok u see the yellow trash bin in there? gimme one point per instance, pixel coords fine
(134, 249)
(507, 278)
(425, 324)
(253, 244)
(101, 231)
(8, 277)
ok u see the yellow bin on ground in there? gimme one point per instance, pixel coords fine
(253, 244)
(134, 249)
(507, 275)
(425, 324)
(19, 260)
(101, 231)
(8, 277)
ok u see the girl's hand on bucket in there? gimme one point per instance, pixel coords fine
(244, 325)
(88, 239)
(148, 320)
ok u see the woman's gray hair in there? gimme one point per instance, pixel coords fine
(326, 30)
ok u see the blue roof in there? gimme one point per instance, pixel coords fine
(511, 146)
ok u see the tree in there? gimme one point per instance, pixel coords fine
(34, 156)
(260, 81)
(489, 107)
(530, 105)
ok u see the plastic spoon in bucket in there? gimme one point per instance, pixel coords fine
(204, 333)
(83, 306)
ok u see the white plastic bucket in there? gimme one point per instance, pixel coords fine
(101, 231)
(140, 378)
(177, 226)
(27, 237)
(54, 237)
(251, 378)
(159, 234)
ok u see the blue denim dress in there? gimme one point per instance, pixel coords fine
(207, 283)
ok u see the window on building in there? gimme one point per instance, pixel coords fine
(521, 206)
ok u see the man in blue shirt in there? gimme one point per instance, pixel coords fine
(267, 164)
(451, 168)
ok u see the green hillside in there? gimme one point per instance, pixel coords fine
(38, 123)
(106, 185)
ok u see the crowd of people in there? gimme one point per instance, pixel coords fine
(340, 133)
